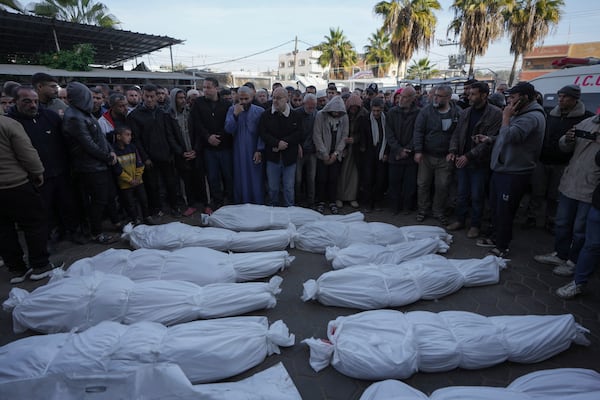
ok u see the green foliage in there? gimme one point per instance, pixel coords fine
(78, 59)
(337, 52)
(80, 11)
(378, 53)
(421, 69)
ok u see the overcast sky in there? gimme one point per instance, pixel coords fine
(217, 31)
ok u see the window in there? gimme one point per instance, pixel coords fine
(282, 64)
(291, 63)
(302, 62)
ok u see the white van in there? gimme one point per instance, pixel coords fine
(587, 77)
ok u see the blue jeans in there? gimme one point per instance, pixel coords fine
(278, 173)
(471, 186)
(219, 171)
(589, 257)
(569, 228)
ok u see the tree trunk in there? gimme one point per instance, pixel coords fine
(472, 67)
(513, 70)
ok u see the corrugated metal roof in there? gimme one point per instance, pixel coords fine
(25, 35)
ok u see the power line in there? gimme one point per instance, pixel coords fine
(243, 57)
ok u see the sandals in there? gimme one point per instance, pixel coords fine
(485, 242)
(420, 217)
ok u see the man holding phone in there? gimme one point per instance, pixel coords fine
(515, 152)
(576, 189)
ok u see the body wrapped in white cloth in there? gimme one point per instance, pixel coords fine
(177, 235)
(429, 277)
(199, 265)
(552, 384)
(206, 351)
(253, 217)
(84, 301)
(387, 344)
(316, 237)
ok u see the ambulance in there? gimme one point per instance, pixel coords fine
(586, 76)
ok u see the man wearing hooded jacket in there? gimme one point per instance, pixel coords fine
(91, 156)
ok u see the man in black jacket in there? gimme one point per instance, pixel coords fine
(150, 127)
(281, 130)
(43, 126)
(91, 156)
(207, 121)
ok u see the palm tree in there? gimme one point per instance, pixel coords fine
(378, 52)
(421, 69)
(478, 22)
(11, 5)
(410, 23)
(337, 52)
(527, 22)
(80, 11)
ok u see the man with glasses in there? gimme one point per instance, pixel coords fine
(47, 87)
(433, 129)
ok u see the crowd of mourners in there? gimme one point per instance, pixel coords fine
(132, 154)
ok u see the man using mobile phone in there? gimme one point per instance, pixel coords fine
(576, 189)
(515, 153)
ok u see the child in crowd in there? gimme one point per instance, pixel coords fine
(129, 169)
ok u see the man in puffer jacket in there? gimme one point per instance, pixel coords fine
(91, 156)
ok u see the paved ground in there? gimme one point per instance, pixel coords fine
(526, 287)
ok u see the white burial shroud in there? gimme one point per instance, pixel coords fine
(363, 253)
(552, 384)
(199, 265)
(315, 237)
(387, 344)
(163, 381)
(252, 217)
(84, 301)
(427, 277)
(176, 235)
(206, 351)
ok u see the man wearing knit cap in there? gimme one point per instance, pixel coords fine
(546, 176)
(322, 99)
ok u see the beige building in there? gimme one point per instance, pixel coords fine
(302, 64)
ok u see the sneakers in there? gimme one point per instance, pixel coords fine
(473, 232)
(420, 216)
(486, 242)
(354, 204)
(566, 269)
(176, 213)
(550, 258)
(339, 204)
(189, 211)
(570, 290)
(44, 272)
(208, 210)
(455, 226)
(20, 275)
(333, 207)
(321, 208)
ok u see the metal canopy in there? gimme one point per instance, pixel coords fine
(24, 36)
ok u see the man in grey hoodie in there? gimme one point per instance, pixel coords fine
(515, 152)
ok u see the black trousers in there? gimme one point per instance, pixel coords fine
(99, 189)
(59, 199)
(327, 178)
(23, 206)
(165, 171)
(131, 198)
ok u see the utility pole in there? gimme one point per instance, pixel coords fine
(295, 53)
